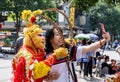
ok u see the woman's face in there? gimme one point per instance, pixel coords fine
(56, 41)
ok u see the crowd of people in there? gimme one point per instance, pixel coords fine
(96, 60)
(45, 59)
(103, 67)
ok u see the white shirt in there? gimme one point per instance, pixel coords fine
(79, 53)
(63, 70)
(99, 64)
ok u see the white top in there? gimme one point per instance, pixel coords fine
(99, 64)
(63, 70)
(79, 53)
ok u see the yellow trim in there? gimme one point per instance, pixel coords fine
(40, 70)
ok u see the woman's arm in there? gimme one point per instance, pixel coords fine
(96, 45)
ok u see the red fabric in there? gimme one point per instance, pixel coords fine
(60, 61)
(0, 25)
(20, 70)
(38, 57)
(33, 19)
(13, 64)
(50, 60)
(74, 54)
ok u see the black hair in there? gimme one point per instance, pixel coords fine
(107, 57)
(49, 36)
(89, 42)
(84, 41)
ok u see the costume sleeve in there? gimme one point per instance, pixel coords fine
(42, 68)
(20, 70)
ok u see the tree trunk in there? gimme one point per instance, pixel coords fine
(17, 24)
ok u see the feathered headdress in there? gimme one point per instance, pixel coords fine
(30, 18)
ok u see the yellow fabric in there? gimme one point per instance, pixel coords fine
(40, 70)
(68, 40)
(37, 12)
(61, 53)
(34, 29)
(26, 14)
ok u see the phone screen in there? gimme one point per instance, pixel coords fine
(103, 28)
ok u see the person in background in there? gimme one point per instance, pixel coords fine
(105, 67)
(18, 44)
(83, 64)
(91, 59)
(54, 41)
(79, 42)
(98, 66)
(115, 44)
(113, 67)
(96, 54)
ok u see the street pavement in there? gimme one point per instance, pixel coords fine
(5, 68)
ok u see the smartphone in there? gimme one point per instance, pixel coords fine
(103, 28)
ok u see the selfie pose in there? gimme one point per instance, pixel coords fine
(65, 73)
(29, 64)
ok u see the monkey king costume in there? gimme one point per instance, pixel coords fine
(29, 64)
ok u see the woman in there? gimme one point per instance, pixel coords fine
(54, 41)
(83, 64)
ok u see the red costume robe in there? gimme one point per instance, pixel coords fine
(30, 67)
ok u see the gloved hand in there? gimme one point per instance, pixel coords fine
(70, 41)
(61, 53)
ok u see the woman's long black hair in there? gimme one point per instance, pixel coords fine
(49, 36)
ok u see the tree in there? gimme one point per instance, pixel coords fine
(86, 4)
(15, 7)
(107, 14)
(81, 5)
(113, 2)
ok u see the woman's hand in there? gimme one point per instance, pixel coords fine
(106, 36)
(47, 78)
(52, 76)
